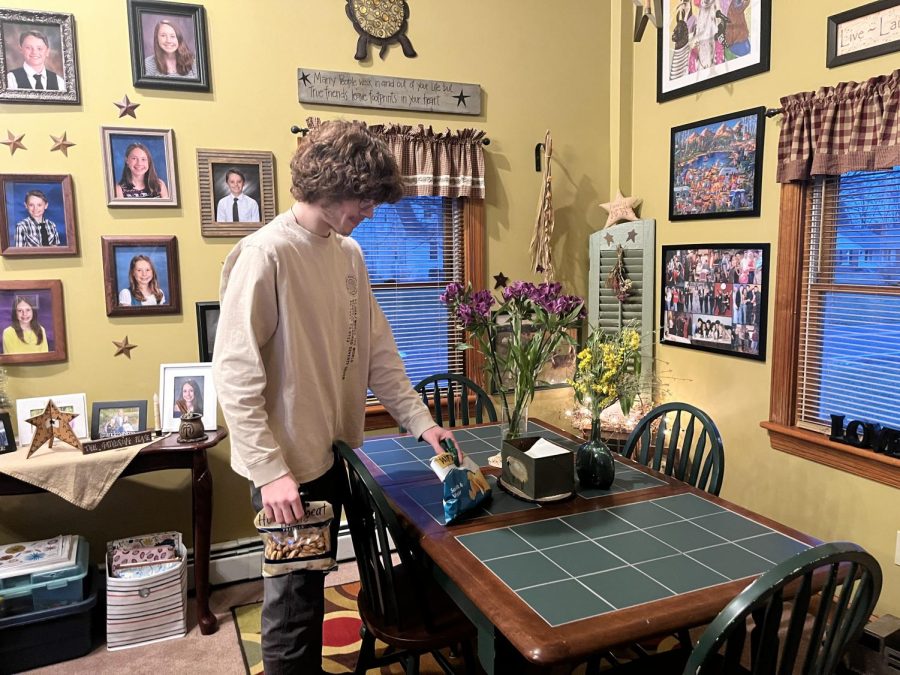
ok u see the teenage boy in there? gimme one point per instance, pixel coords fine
(236, 207)
(35, 48)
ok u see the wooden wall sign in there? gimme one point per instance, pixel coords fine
(328, 87)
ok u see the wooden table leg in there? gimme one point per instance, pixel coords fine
(201, 497)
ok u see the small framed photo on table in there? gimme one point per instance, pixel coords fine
(168, 45)
(27, 408)
(114, 418)
(207, 322)
(32, 321)
(37, 215)
(141, 275)
(237, 191)
(37, 57)
(139, 166)
(192, 384)
(7, 437)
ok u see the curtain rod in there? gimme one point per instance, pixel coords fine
(303, 131)
(771, 112)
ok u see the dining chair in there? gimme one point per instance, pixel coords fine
(455, 390)
(399, 603)
(681, 441)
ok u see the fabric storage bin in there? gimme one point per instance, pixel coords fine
(47, 636)
(46, 590)
(151, 607)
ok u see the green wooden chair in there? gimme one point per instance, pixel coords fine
(693, 452)
(399, 604)
(453, 391)
(834, 586)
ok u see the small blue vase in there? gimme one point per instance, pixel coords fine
(594, 462)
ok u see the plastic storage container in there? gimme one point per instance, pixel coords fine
(47, 636)
(47, 590)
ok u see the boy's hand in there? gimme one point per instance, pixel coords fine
(281, 500)
(434, 435)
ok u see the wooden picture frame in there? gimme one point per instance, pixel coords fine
(51, 198)
(125, 259)
(174, 378)
(715, 166)
(29, 407)
(7, 436)
(863, 33)
(714, 297)
(696, 50)
(37, 40)
(207, 322)
(156, 147)
(152, 27)
(37, 294)
(252, 174)
(114, 418)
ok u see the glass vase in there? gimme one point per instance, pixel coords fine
(594, 461)
(513, 421)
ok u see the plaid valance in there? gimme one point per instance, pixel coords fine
(439, 164)
(853, 126)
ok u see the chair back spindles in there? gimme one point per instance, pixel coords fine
(457, 389)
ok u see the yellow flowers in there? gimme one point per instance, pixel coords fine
(609, 369)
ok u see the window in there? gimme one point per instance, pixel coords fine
(413, 249)
(837, 343)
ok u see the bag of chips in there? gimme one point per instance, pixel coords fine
(465, 487)
(304, 545)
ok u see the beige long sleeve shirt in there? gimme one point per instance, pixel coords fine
(300, 339)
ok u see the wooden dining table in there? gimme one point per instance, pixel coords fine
(549, 585)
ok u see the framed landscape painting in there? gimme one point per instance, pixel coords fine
(714, 297)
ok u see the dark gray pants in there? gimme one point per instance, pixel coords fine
(294, 604)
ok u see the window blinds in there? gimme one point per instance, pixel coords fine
(849, 356)
(413, 249)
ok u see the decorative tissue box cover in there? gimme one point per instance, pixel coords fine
(538, 475)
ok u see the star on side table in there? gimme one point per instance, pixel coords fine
(621, 208)
(123, 347)
(13, 142)
(126, 107)
(50, 424)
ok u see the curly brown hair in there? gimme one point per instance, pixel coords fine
(340, 160)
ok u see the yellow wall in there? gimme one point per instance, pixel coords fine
(824, 502)
(538, 68)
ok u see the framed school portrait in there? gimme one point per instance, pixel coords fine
(70, 403)
(207, 323)
(37, 57)
(32, 321)
(191, 385)
(168, 45)
(237, 191)
(140, 275)
(37, 215)
(139, 166)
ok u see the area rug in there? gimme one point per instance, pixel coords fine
(340, 636)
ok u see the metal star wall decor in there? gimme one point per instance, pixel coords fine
(50, 424)
(126, 107)
(61, 143)
(13, 142)
(500, 280)
(621, 208)
(123, 347)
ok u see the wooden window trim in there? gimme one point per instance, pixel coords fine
(784, 434)
(377, 417)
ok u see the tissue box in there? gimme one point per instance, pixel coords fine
(545, 474)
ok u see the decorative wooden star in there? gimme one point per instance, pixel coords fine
(50, 424)
(500, 280)
(126, 107)
(14, 142)
(61, 143)
(621, 208)
(609, 239)
(123, 347)
(632, 235)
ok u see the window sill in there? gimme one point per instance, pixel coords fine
(817, 448)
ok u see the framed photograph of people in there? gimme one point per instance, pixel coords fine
(168, 45)
(37, 57)
(7, 437)
(37, 215)
(716, 167)
(192, 385)
(207, 322)
(27, 408)
(237, 191)
(714, 298)
(139, 165)
(114, 418)
(141, 275)
(863, 33)
(32, 321)
(707, 43)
